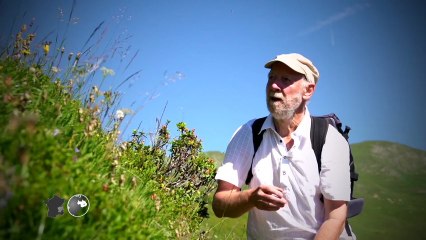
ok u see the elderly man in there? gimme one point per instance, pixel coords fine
(287, 198)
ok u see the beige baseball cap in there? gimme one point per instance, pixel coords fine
(298, 63)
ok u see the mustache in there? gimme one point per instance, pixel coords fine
(276, 96)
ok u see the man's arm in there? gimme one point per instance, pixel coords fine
(230, 201)
(335, 218)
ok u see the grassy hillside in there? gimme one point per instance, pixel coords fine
(52, 143)
(393, 182)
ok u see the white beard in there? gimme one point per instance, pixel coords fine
(284, 109)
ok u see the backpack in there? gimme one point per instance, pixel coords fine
(319, 128)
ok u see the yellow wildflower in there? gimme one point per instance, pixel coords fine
(46, 48)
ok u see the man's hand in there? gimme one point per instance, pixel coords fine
(230, 201)
(268, 198)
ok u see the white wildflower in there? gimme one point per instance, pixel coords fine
(56, 132)
(95, 89)
(123, 146)
(107, 72)
(127, 111)
(119, 115)
(55, 69)
(32, 70)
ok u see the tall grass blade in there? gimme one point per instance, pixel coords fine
(72, 11)
(91, 35)
(127, 79)
(131, 60)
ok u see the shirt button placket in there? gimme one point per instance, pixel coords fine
(284, 169)
(284, 174)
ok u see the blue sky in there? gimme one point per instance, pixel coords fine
(203, 60)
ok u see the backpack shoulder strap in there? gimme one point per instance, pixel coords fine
(257, 140)
(319, 128)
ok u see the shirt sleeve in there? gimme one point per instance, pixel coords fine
(238, 157)
(335, 171)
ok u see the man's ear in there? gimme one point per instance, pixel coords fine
(308, 91)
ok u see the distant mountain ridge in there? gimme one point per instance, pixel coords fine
(392, 180)
(388, 157)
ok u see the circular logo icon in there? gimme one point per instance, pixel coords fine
(78, 205)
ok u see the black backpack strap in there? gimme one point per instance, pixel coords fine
(319, 128)
(257, 139)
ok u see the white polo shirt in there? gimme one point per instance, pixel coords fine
(295, 170)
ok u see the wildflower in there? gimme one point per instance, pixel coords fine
(95, 89)
(46, 48)
(70, 56)
(115, 163)
(31, 36)
(77, 58)
(119, 115)
(122, 180)
(113, 181)
(93, 94)
(55, 69)
(92, 97)
(96, 110)
(134, 181)
(123, 146)
(107, 72)
(77, 154)
(56, 132)
(24, 28)
(157, 201)
(32, 70)
(25, 52)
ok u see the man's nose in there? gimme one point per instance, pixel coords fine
(275, 85)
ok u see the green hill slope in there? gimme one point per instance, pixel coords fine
(393, 183)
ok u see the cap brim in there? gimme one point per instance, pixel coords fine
(296, 67)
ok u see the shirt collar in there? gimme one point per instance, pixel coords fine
(302, 131)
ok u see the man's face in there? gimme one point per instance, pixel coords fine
(284, 91)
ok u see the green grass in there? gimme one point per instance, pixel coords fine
(52, 143)
(226, 228)
(47, 149)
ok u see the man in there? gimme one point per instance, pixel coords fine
(287, 197)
